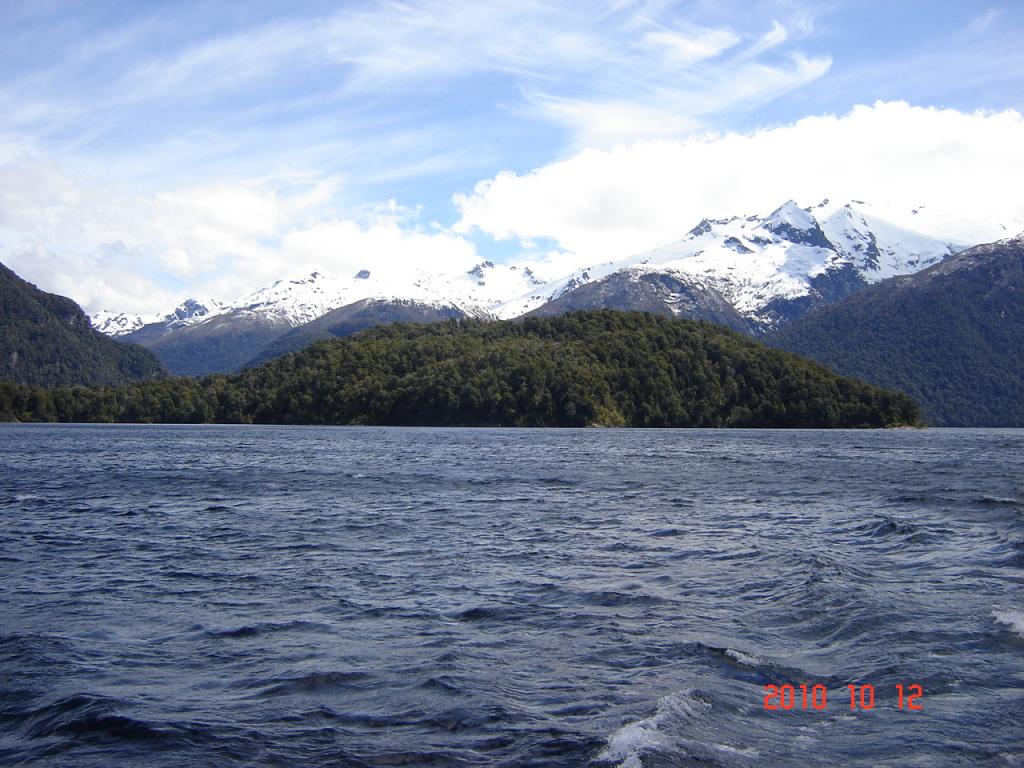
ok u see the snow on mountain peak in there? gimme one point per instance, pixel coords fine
(879, 249)
(793, 223)
(298, 300)
(193, 309)
(791, 214)
(751, 261)
(120, 323)
(189, 312)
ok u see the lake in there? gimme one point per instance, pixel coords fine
(281, 596)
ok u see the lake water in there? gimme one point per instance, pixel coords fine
(218, 596)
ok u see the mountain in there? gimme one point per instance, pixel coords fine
(656, 292)
(47, 340)
(217, 337)
(951, 336)
(221, 343)
(358, 316)
(188, 312)
(751, 274)
(768, 270)
(586, 368)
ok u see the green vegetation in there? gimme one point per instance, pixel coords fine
(588, 368)
(47, 341)
(951, 337)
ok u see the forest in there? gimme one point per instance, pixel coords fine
(594, 368)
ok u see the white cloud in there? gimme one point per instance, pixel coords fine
(984, 21)
(109, 249)
(601, 204)
(346, 246)
(692, 48)
(638, 66)
(775, 36)
(603, 124)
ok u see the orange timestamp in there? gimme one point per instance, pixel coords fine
(815, 697)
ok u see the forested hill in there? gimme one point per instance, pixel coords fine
(46, 340)
(951, 336)
(587, 368)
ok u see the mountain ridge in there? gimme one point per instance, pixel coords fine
(951, 336)
(751, 273)
(48, 340)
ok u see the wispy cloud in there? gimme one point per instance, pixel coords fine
(186, 148)
(983, 21)
(777, 35)
(624, 53)
(688, 49)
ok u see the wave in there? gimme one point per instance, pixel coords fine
(998, 501)
(612, 599)
(631, 742)
(443, 683)
(753, 667)
(499, 613)
(882, 526)
(315, 682)
(255, 630)
(84, 716)
(746, 659)
(1011, 618)
(663, 533)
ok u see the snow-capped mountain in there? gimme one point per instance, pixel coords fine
(878, 249)
(227, 336)
(751, 273)
(189, 312)
(768, 268)
(298, 301)
(119, 323)
(305, 299)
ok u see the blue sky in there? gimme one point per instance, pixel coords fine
(150, 150)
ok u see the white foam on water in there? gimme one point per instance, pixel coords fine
(631, 741)
(1014, 619)
(746, 659)
(748, 752)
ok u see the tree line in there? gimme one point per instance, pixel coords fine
(589, 368)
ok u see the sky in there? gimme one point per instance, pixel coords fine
(159, 150)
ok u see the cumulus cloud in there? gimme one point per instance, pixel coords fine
(963, 169)
(109, 249)
(112, 248)
(156, 159)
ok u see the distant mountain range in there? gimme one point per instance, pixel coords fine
(767, 270)
(47, 341)
(750, 273)
(950, 336)
(871, 300)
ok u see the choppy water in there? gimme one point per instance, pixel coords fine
(220, 596)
